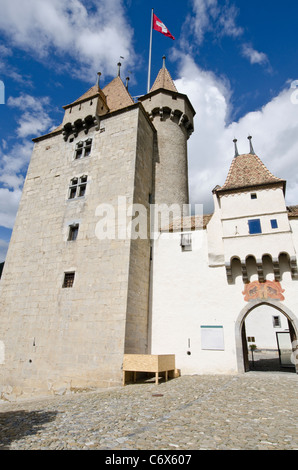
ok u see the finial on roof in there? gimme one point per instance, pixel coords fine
(236, 149)
(251, 149)
(98, 78)
(164, 62)
(119, 66)
(127, 80)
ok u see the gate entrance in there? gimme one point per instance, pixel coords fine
(267, 332)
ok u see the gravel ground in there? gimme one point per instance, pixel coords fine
(253, 411)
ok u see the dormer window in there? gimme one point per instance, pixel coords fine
(83, 149)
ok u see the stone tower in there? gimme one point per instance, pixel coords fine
(172, 115)
(74, 294)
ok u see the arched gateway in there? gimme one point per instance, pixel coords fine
(241, 344)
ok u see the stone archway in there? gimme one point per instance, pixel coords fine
(240, 332)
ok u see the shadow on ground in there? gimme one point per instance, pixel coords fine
(269, 365)
(16, 424)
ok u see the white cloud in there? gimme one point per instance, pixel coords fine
(220, 19)
(13, 162)
(12, 166)
(5, 51)
(34, 119)
(274, 129)
(93, 33)
(209, 15)
(254, 56)
(9, 203)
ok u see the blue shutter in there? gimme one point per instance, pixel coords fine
(254, 226)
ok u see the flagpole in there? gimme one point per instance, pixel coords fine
(150, 49)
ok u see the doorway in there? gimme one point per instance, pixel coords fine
(267, 333)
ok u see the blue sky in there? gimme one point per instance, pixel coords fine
(236, 61)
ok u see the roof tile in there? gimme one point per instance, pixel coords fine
(164, 80)
(248, 170)
(117, 95)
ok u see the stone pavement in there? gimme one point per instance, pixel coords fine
(257, 410)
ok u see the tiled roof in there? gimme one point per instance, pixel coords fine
(117, 95)
(248, 170)
(193, 222)
(92, 92)
(292, 212)
(164, 80)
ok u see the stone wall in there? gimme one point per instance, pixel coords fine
(59, 338)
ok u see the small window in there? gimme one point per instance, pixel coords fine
(276, 321)
(82, 186)
(274, 223)
(68, 280)
(73, 188)
(88, 145)
(253, 196)
(79, 152)
(83, 149)
(186, 242)
(254, 226)
(251, 339)
(73, 232)
(77, 187)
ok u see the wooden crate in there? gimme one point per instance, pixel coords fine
(148, 363)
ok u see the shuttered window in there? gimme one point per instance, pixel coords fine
(254, 226)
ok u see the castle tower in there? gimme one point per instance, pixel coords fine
(75, 290)
(172, 115)
(75, 287)
(253, 220)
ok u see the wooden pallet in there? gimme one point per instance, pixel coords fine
(148, 363)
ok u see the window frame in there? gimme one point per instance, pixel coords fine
(83, 149)
(186, 241)
(68, 280)
(73, 231)
(254, 226)
(276, 321)
(77, 187)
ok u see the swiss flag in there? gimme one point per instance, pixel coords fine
(159, 26)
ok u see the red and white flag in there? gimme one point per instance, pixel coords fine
(159, 26)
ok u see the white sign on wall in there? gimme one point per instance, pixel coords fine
(212, 338)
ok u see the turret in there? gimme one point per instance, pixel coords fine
(172, 115)
(254, 219)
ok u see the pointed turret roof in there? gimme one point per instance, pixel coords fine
(114, 97)
(248, 171)
(117, 95)
(91, 93)
(164, 80)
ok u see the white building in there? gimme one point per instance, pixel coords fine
(232, 283)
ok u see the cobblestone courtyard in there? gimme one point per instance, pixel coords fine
(257, 410)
